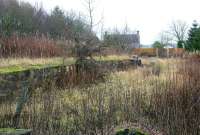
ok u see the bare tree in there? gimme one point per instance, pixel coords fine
(89, 4)
(90, 7)
(165, 38)
(178, 30)
(88, 44)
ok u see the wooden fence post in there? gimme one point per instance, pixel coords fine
(157, 54)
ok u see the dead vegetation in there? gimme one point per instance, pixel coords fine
(29, 46)
(167, 103)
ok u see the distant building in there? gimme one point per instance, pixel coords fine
(128, 41)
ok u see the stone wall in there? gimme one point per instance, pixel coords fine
(10, 82)
(33, 78)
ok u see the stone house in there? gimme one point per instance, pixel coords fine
(125, 41)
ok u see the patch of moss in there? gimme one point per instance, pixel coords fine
(12, 131)
(11, 69)
(18, 68)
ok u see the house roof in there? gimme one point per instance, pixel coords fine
(123, 38)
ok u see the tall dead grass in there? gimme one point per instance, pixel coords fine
(168, 102)
(175, 103)
(28, 46)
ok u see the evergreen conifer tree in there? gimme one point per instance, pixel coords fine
(193, 42)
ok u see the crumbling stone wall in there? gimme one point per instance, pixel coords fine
(34, 78)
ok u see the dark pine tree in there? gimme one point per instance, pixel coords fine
(180, 44)
(193, 42)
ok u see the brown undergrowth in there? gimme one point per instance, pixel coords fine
(167, 103)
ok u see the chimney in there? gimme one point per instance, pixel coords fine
(138, 35)
(138, 32)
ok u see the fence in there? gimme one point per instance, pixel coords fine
(159, 52)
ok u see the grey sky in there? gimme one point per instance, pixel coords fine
(150, 17)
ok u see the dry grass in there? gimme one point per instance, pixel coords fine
(6, 62)
(168, 101)
(8, 65)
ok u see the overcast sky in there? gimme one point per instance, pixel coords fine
(150, 17)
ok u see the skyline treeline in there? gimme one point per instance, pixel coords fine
(22, 18)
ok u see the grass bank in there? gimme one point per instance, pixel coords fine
(20, 64)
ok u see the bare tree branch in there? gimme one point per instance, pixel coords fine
(165, 38)
(90, 6)
(178, 29)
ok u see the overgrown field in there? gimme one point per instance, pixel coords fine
(163, 97)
